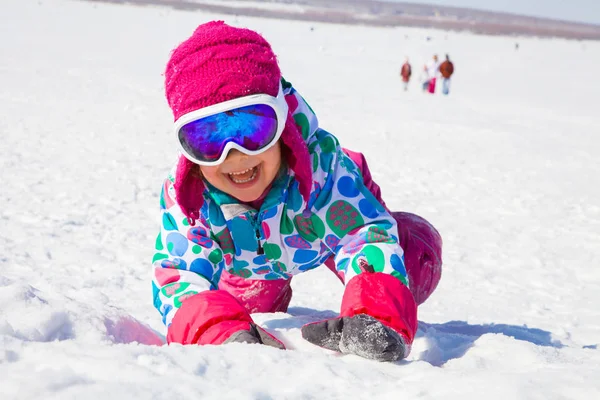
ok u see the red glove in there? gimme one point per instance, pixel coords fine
(378, 320)
(216, 317)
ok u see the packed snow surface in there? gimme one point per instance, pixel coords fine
(506, 167)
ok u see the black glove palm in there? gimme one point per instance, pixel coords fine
(255, 335)
(361, 334)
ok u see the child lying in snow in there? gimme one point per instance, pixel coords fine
(260, 194)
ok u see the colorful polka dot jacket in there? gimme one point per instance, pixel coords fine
(287, 236)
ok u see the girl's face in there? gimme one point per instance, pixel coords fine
(245, 177)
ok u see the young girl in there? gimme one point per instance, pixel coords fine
(261, 193)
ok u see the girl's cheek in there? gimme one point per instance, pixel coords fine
(208, 173)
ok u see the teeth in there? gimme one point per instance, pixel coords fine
(254, 171)
(241, 172)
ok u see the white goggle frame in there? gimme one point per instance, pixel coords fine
(276, 103)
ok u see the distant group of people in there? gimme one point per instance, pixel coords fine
(431, 72)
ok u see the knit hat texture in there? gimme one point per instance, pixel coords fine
(219, 63)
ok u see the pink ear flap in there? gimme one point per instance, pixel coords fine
(296, 153)
(189, 189)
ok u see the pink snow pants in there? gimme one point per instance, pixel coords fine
(432, 85)
(421, 242)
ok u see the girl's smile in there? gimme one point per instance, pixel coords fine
(245, 177)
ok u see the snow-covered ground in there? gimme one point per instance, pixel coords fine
(506, 167)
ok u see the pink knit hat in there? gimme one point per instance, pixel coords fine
(219, 63)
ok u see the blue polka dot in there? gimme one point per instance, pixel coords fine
(177, 263)
(308, 266)
(177, 244)
(367, 209)
(304, 256)
(166, 312)
(294, 200)
(347, 187)
(243, 234)
(237, 264)
(199, 235)
(384, 224)
(270, 213)
(326, 160)
(217, 276)
(262, 270)
(332, 241)
(215, 215)
(343, 265)
(369, 196)
(398, 264)
(168, 222)
(325, 194)
(260, 260)
(155, 295)
(349, 164)
(203, 267)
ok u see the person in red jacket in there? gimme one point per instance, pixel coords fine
(405, 73)
(446, 70)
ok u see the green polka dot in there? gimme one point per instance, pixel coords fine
(185, 222)
(374, 256)
(286, 227)
(225, 241)
(272, 251)
(315, 162)
(244, 273)
(163, 204)
(170, 247)
(196, 249)
(328, 145)
(180, 299)
(215, 256)
(326, 162)
(174, 288)
(158, 245)
(398, 275)
(342, 217)
(376, 234)
(159, 256)
(303, 123)
(311, 228)
(279, 267)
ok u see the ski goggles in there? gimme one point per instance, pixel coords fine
(250, 124)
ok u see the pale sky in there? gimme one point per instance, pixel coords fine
(571, 10)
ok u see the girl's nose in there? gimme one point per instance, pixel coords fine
(236, 155)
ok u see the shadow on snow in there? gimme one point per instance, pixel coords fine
(453, 339)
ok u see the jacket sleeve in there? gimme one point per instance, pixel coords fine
(187, 260)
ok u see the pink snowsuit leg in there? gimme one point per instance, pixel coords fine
(258, 296)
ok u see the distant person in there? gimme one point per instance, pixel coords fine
(432, 68)
(424, 78)
(446, 70)
(405, 73)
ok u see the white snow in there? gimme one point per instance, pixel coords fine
(506, 167)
